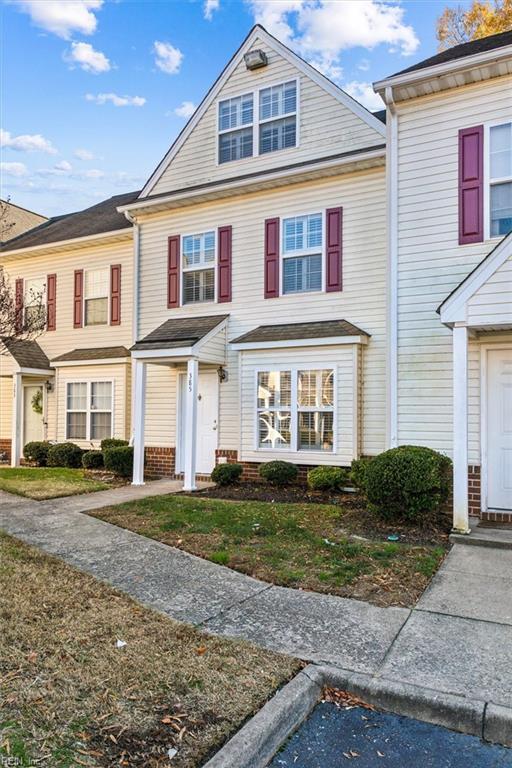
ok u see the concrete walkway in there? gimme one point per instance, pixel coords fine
(457, 640)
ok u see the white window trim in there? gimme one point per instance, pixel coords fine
(304, 252)
(199, 268)
(256, 122)
(44, 280)
(487, 177)
(294, 408)
(85, 297)
(89, 411)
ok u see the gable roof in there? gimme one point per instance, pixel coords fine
(19, 219)
(92, 353)
(321, 329)
(27, 353)
(482, 45)
(260, 32)
(180, 332)
(99, 218)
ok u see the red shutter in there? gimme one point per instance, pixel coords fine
(224, 264)
(115, 294)
(78, 291)
(333, 249)
(18, 299)
(51, 302)
(471, 185)
(271, 258)
(173, 272)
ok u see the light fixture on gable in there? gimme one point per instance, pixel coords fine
(255, 59)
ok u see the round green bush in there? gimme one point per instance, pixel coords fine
(37, 452)
(227, 474)
(278, 472)
(119, 460)
(92, 460)
(358, 471)
(112, 442)
(327, 478)
(408, 483)
(65, 455)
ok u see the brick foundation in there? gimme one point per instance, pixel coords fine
(159, 462)
(5, 447)
(474, 490)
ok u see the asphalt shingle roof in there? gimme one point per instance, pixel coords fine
(291, 331)
(91, 354)
(27, 353)
(102, 217)
(182, 332)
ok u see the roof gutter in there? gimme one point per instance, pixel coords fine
(35, 249)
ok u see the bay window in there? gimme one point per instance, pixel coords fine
(302, 253)
(96, 296)
(500, 179)
(89, 408)
(199, 267)
(295, 409)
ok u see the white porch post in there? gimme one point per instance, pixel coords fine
(460, 429)
(191, 425)
(17, 417)
(139, 412)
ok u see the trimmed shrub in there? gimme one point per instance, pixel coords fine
(227, 474)
(65, 455)
(37, 452)
(278, 472)
(119, 460)
(92, 460)
(358, 472)
(112, 442)
(327, 478)
(410, 482)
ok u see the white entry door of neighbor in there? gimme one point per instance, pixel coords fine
(33, 427)
(499, 429)
(207, 421)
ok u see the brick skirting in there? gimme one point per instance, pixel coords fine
(474, 490)
(159, 462)
(5, 447)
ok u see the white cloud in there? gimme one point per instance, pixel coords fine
(186, 109)
(26, 142)
(364, 93)
(167, 57)
(320, 30)
(93, 173)
(87, 58)
(62, 17)
(83, 154)
(117, 101)
(63, 166)
(210, 6)
(14, 169)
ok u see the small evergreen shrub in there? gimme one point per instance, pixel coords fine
(112, 442)
(65, 455)
(409, 483)
(327, 478)
(227, 474)
(37, 452)
(358, 472)
(119, 460)
(278, 472)
(92, 460)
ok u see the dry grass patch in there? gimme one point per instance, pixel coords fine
(70, 697)
(49, 482)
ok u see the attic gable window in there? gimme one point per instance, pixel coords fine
(278, 117)
(236, 128)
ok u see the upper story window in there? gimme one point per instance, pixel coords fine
(302, 253)
(34, 302)
(199, 267)
(96, 296)
(259, 122)
(500, 179)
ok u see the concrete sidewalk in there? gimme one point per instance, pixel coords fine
(457, 640)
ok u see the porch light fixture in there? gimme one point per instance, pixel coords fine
(48, 386)
(222, 373)
(255, 59)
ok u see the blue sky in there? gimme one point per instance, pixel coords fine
(95, 91)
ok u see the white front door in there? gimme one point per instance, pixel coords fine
(33, 427)
(207, 418)
(499, 429)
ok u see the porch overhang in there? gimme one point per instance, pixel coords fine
(314, 334)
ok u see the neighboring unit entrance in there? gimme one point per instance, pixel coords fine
(207, 417)
(499, 429)
(33, 426)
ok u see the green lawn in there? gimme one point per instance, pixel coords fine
(47, 482)
(305, 545)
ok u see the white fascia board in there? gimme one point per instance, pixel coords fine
(326, 341)
(453, 308)
(160, 354)
(174, 197)
(35, 371)
(437, 70)
(75, 241)
(104, 361)
(294, 60)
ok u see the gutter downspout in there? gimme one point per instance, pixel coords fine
(135, 311)
(392, 277)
